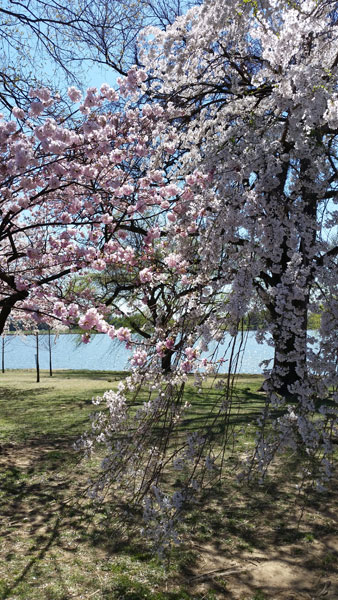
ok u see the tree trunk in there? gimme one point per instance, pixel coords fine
(37, 358)
(166, 361)
(7, 306)
(3, 355)
(50, 355)
(289, 371)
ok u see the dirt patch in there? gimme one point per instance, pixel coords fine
(26, 454)
(304, 570)
(275, 576)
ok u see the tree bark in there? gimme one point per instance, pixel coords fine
(37, 358)
(7, 305)
(289, 369)
(50, 354)
(166, 361)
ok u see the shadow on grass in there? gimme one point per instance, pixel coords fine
(42, 499)
(10, 394)
(252, 525)
(91, 375)
(46, 500)
(44, 504)
(50, 538)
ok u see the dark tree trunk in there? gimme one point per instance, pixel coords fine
(3, 355)
(7, 306)
(50, 354)
(37, 358)
(290, 346)
(166, 361)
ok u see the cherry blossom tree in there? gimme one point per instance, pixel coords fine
(254, 139)
(215, 195)
(70, 196)
(159, 301)
(258, 90)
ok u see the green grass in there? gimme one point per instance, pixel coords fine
(58, 406)
(57, 545)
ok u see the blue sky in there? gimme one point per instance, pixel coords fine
(98, 74)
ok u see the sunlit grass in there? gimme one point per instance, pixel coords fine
(57, 406)
(57, 545)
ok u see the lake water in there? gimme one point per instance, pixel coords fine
(103, 354)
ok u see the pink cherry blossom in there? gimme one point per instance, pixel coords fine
(146, 275)
(18, 113)
(74, 94)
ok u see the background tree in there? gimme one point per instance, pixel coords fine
(167, 300)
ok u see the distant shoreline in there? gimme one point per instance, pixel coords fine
(77, 332)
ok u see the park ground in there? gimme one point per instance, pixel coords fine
(267, 542)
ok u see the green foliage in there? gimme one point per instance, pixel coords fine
(314, 321)
(255, 319)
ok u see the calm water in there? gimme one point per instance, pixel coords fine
(103, 354)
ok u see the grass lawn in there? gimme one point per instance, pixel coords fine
(267, 542)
